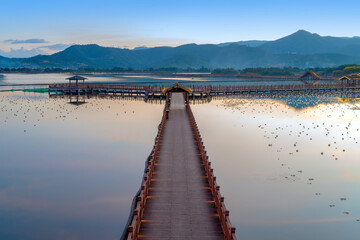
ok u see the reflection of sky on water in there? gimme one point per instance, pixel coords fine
(301, 101)
(280, 169)
(70, 172)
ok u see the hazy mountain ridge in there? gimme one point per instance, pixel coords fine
(300, 49)
(311, 43)
(250, 43)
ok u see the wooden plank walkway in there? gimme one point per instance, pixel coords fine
(179, 203)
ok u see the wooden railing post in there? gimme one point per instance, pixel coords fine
(134, 227)
(228, 230)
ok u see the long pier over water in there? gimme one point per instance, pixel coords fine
(179, 197)
(157, 92)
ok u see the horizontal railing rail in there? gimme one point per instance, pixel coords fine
(88, 86)
(270, 87)
(133, 228)
(229, 231)
(202, 89)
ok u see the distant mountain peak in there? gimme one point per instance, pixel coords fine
(303, 33)
(304, 42)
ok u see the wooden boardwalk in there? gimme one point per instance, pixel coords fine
(180, 202)
(197, 91)
(179, 197)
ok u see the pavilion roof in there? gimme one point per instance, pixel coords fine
(177, 86)
(76, 77)
(313, 74)
(353, 76)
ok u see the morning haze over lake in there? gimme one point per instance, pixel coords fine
(179, 120)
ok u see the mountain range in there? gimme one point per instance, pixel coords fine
(300, 49)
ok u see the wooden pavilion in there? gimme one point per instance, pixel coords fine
(177, 88)
(76, 79)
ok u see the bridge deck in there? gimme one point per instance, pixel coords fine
(180, 202)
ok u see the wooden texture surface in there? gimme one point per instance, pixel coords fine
(180, 204)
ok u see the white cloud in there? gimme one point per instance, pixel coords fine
(42, 50)
(22, 52)
(57, 47)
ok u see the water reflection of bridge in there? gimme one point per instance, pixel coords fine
(158, 96)
(79, 99)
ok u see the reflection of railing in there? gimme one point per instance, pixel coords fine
(229, 231)
(134, 227)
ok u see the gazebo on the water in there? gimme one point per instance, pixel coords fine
(76, 78)
(177, 88)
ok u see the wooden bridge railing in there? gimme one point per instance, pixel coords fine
(139, 206)
(268, 87)
(200, 89)
(229, 231)
(105, 86)
(134, 226)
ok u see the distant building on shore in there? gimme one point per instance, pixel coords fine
(351, 79)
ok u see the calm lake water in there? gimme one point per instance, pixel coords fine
(289, 168)
(70, 172)
(285, 172)
(21, 81)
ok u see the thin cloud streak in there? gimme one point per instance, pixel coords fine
(57, 47)
(26, 41)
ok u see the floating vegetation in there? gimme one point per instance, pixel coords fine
(38, 90)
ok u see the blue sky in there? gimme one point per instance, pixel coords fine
(133, 23)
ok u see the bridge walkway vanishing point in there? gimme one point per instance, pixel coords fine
(182, 200)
